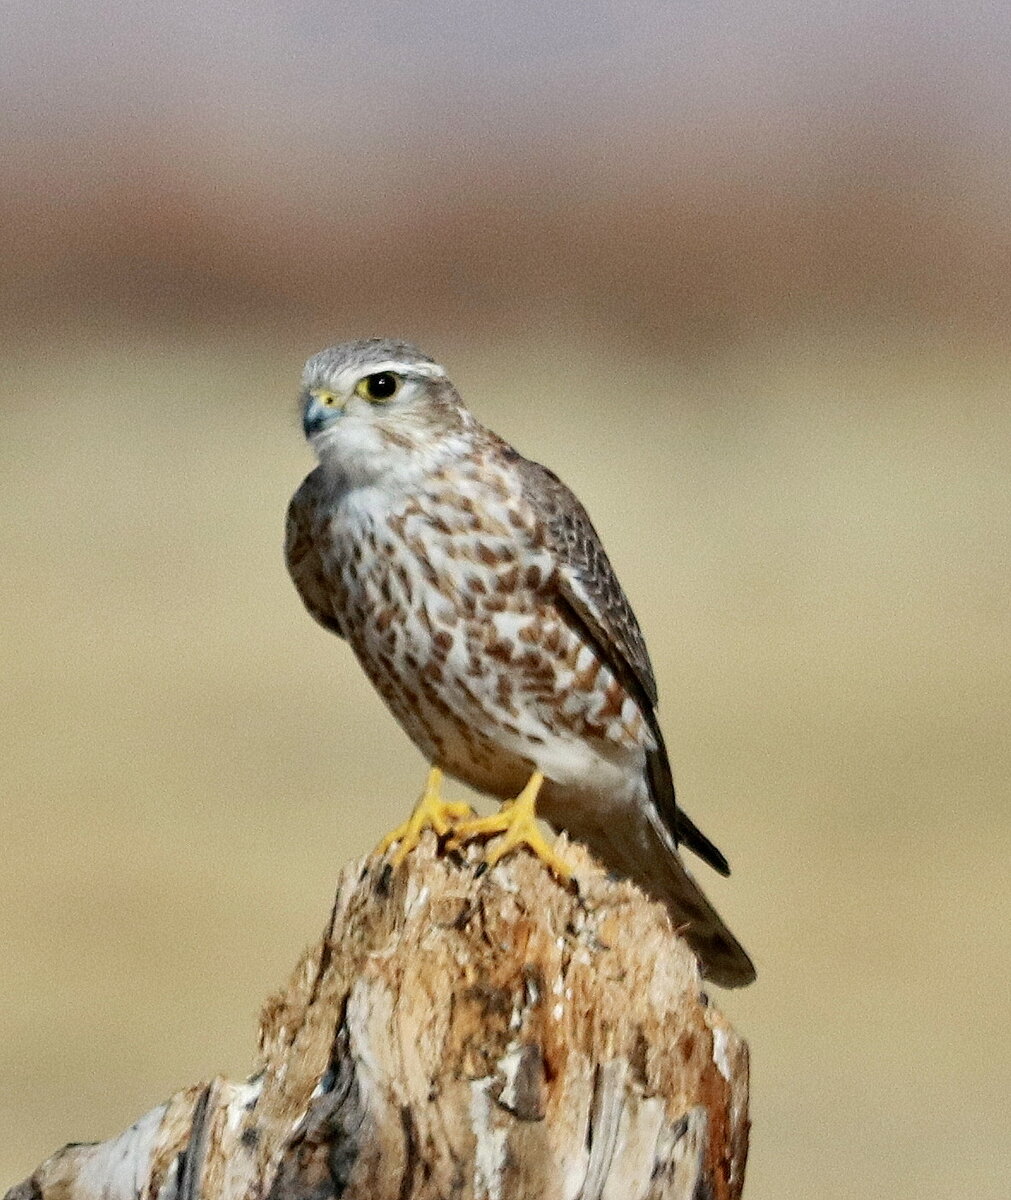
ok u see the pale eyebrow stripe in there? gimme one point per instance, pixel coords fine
(349, 376)
(430, 370)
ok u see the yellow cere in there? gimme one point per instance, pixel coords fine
(323, 396)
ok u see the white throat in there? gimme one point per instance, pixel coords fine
(354, 454)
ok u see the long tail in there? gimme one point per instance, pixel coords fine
(643, 850)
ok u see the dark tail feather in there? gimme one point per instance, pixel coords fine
(643, 850)
(661, 788)
(689, 834)
(722, 957)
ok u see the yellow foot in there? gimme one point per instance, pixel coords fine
(431, 812)
(517, 820)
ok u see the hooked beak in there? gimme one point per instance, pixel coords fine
(321, 407)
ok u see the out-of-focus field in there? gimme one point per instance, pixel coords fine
(814, 533)
(740, 273)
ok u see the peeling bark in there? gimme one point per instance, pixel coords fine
(486, 1036)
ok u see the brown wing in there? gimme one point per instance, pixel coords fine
(590, 589)
(590, 584)
(302, 554)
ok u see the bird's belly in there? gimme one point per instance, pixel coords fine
(472, 715)
(481, 669)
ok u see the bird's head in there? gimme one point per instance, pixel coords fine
(377, 407)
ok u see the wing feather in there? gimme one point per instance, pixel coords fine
(592, 593)
(302, 555)
(589, 582)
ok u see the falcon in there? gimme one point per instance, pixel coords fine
(475, 593)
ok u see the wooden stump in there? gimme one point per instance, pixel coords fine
(487, 1036)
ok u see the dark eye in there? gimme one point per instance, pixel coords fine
(380, 386)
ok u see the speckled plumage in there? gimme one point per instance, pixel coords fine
(477, 596)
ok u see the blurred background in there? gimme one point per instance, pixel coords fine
(740, 273)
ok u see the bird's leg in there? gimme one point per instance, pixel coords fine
(431, 812)
(517, 820)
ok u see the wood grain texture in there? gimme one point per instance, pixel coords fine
(458, 1033)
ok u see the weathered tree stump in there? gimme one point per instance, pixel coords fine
(487, 1036)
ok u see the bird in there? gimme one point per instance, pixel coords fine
(477, 596)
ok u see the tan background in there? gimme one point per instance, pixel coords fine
(739, 272)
